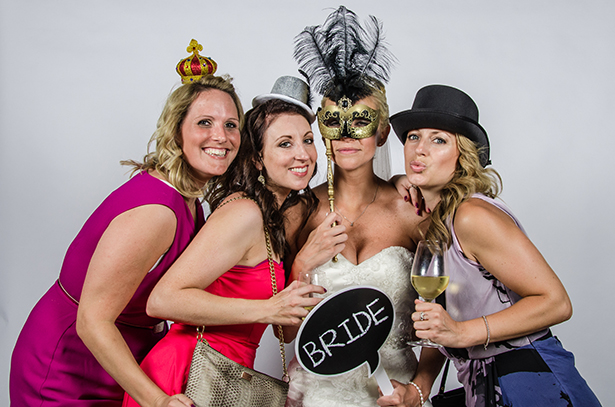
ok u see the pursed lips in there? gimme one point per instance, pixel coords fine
(417, 166)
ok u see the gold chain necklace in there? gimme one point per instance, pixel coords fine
(353, 222)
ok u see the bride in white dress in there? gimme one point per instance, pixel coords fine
(376, 236)
(389, 271)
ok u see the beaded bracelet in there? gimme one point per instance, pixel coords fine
(419, 390)
(488, 332)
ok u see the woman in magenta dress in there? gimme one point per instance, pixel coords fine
(222, 280)
(84, 340)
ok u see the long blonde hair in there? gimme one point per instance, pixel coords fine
(168, 157)
(469, 178)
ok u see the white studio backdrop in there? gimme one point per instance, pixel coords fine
(82, 84)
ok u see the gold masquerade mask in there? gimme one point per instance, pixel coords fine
(345, 120)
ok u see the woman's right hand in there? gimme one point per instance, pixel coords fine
(288, 307)
(176, 400)
(431, 321)
(323, 243)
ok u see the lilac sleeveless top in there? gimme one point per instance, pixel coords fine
(473, 292)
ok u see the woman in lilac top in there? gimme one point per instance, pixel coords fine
(502, 295)
(85, 338)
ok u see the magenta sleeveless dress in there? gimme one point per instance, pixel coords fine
(168, 363)
(50, 365)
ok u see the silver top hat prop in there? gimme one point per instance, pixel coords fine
(289, 89)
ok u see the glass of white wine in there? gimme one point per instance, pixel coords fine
(316, 277)
(429, 277)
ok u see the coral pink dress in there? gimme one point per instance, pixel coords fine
(51, 366)
(168, 363)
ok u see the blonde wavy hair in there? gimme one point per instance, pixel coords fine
(469, 178)
(168, 157)
(380, 95)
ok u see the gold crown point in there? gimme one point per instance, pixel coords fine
(194, 47)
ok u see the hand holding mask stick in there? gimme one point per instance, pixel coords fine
(330, 182)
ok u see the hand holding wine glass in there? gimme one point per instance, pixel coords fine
(429, 277)
(315, 277)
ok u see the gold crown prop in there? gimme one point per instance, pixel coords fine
(195, 66)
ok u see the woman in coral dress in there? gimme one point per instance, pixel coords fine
(223, 281)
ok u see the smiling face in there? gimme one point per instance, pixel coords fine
(289, 155)
(210, 134)
(431, 158)
(350, 153)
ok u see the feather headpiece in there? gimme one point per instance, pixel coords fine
(342, 58)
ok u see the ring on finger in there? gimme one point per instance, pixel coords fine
(423, 316)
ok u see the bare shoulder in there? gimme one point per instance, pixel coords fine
(153, 217)
(154, 209)
(480, 225)
(239, 210)
(476, 211)
(396, 203)
(402, 211)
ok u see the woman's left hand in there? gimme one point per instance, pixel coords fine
(432, 322)
(411, 193)
(402, 396)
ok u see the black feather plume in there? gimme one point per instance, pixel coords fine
(341, 58)
(309, 90)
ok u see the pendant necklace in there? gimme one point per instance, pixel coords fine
(352, 222)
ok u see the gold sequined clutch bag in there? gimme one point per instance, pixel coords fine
(215, 380)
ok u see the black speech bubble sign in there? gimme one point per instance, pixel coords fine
(344, 331)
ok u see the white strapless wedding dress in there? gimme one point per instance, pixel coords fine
(388, 270)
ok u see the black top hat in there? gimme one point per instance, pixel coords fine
(446, 108)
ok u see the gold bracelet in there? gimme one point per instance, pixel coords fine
(488, 332)
(419, 390)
